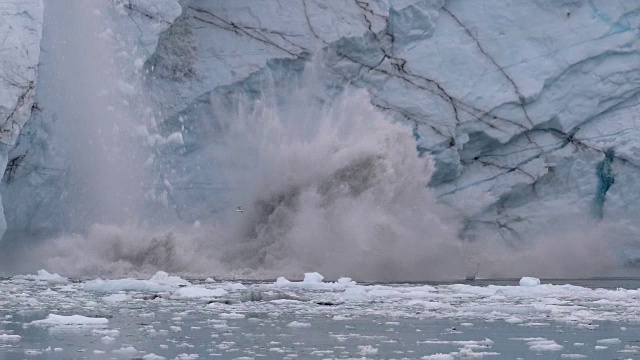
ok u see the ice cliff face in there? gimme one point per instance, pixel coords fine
(529, 108)
(21, 27)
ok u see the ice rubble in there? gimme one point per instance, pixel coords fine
(552, 307)
(161, 281)
(44, 276)
(528, 108)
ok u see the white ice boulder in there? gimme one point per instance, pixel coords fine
(163, 278)
(529, 281)
(194, 292)
(282, 282)
(346, 281)
(50, 278)
(159, 282)
(313, 277)
(298, 324)
(45, 276)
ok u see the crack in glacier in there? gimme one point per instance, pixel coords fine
(240, 30)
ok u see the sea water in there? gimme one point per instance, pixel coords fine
(172, 318)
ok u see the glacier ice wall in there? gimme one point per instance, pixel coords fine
(529, 109)
(73, 107)
(519, 103)
(21, 26)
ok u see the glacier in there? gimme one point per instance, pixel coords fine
(528, 111)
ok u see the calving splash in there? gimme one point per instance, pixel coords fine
(326, 183)
(106, 169)
(344, 194)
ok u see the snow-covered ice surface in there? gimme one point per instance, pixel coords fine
(595, 319)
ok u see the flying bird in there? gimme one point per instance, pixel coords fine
(239, 209)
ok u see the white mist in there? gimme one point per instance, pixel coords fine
(106, 166)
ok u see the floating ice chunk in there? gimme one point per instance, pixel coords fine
(469, 353)
(466, 343)
(346, 281)
(107, 286)
(312, 281)
(187, 357)
(161, 281)
(587, 326)
(54, 319)
(163, 278)
(513, 320)
(297, 324)
(529, 281)
(438, 356)
(313, 277)
(367, 350)
(44, 275)
(281, 282)
(544, 345)
(126, 352)
(9, 338)
(51, 278)
(231, 316)
(152, 356)
(573, 356)
(192, 292)
(611, 341)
